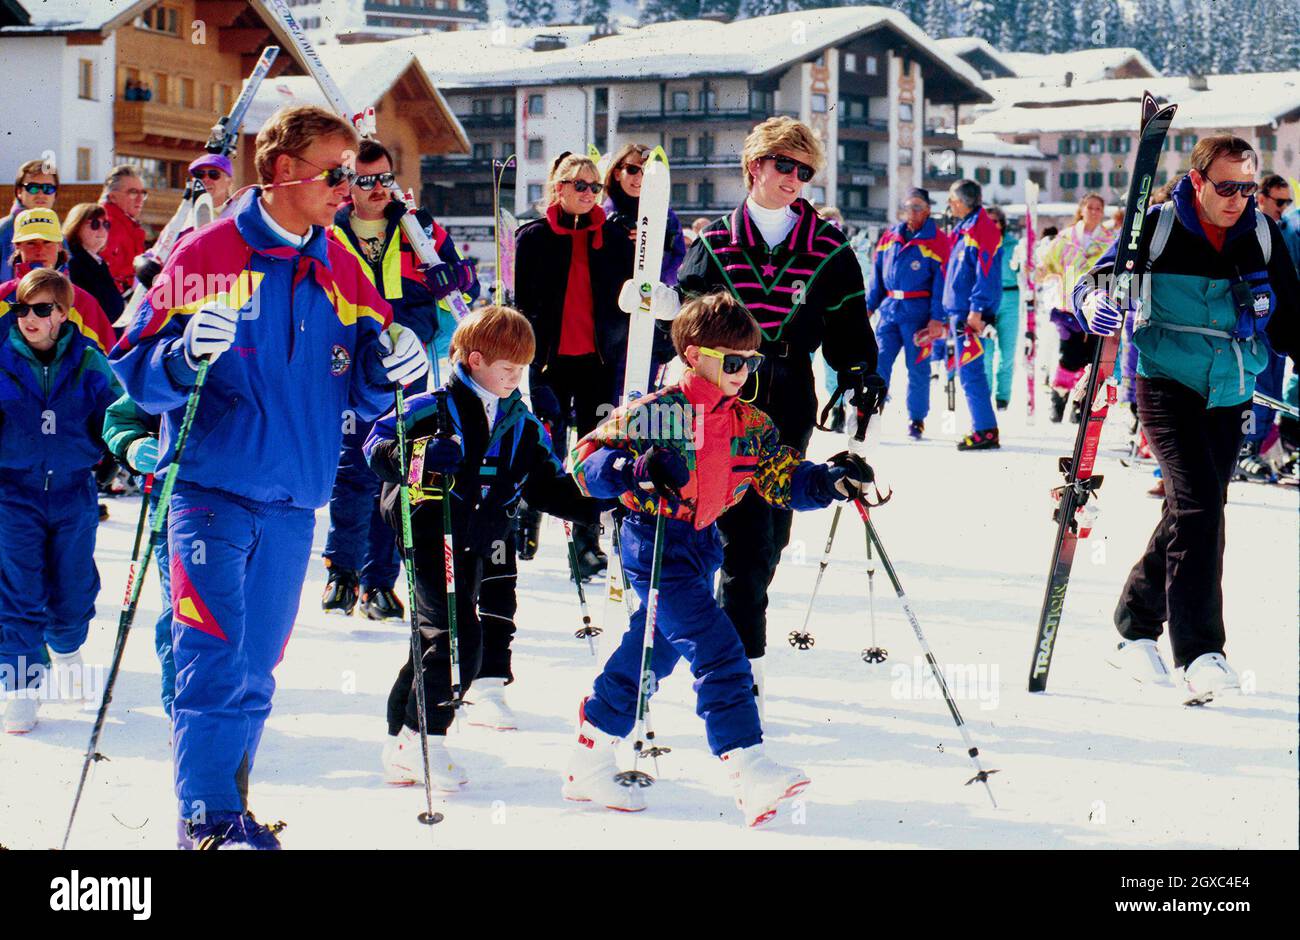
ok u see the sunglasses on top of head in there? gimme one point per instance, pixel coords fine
(368, 181)
(582, 186)
(41, 310)
(787, 165)
(734, 362)
(36, 189)
(1247, 188)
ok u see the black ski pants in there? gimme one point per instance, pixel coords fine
(1179, 579)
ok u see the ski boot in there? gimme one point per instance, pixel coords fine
(341, 591)
(980, 440)
(404, 764)
(760, 783)
(381, 604)
(589, 778)
(226, 831)
(490, 709)
(915, 429)
(1003, 404)
(760, 694)
(527, 533)
(20, 716)
(1253, 468)
(1208, 676)
(1141, 661)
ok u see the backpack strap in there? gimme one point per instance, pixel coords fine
(1164, 226)
(1264, 235)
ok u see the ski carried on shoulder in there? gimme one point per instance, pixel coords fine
(1073, 514)
(195, 209)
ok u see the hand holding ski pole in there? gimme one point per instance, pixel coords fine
(1101, 316)
(402, 356)
(660, 471)
(660, 300)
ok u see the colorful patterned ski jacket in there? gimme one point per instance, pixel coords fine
(86, 313)
(1068, 258)
(306, 353)
(907, 272)
(806, 293)
(52, 414)
(974, 279)
(728, 445)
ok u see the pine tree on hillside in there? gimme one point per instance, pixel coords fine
(751, 8)
(937, 19)
(530, 12)
(665, 11)
(479, 8)
(590, 12)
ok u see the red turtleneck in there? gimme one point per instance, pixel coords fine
(578, 327)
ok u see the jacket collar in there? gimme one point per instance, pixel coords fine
(745, 233)
(117, 215)
(66, 334)
(258, 236)
(562, 223)
(703, 394)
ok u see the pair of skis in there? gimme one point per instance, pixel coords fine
(1027, 297)
(1072, 511)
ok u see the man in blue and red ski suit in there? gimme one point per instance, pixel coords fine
(905, 288)
(298, 329)
(972, 292)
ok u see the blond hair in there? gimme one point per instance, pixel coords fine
(780, 133)
(1078, 210)
(41, 279)
(497, 332)
(566, 167)
(292, 130)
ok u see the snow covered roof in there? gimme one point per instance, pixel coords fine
(751, 47)
(68, 16)
(1248, 100)
(989, 145)
(364, 74)
(1085, 65)
(972, 48)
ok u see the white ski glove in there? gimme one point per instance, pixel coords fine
(664, 302)
(404, 361)
(209, 333)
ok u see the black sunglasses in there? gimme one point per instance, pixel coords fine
(97, 224)
(1247, 188)
(582, 186)
(787, 165)
(48, 189)
(631, 169)
(212, 174)
(41, 310)
(368, 181)
(734, 362)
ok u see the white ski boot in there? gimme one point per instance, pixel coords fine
(589, 778)
(404, 765)
(760, 699)
(1141, 660)
(488, 706)
(760, 783)
(1208, 676)
(68, 674)
(20, 716)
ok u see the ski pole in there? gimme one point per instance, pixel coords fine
(134, 582)
(972, 751)
(428, 817)
(801, 639)
(442, 421)
(586, 631)
(873, 653)
(644, 745)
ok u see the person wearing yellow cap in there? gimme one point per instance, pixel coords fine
(38, 243)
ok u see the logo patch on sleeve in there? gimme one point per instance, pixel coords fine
(340, 360)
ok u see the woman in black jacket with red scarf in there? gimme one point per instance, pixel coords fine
(569, 267)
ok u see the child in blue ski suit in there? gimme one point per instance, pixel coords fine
(54, 387)
(689, 452)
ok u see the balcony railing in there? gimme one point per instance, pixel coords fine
(446, 166)
(865, 123)
(702, 208)
(487, 120)
(699, 161)
(941, 176)
(408, 9)
(689, 116)
(869, 214)
(854, 166)
(162, 124)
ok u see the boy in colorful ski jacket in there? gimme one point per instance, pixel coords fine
(689, 453)
(308, 346)
(54, 387)
(497, 452)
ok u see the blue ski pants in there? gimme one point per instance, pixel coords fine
(893, 336)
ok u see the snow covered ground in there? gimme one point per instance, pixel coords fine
(1096, 762)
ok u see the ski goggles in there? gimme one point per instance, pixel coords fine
(212, 175)
(37, 189)
(582, 186)
(368, 181)
(787, 165)
(1247, 188)
(734, 362)
(41, 310)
